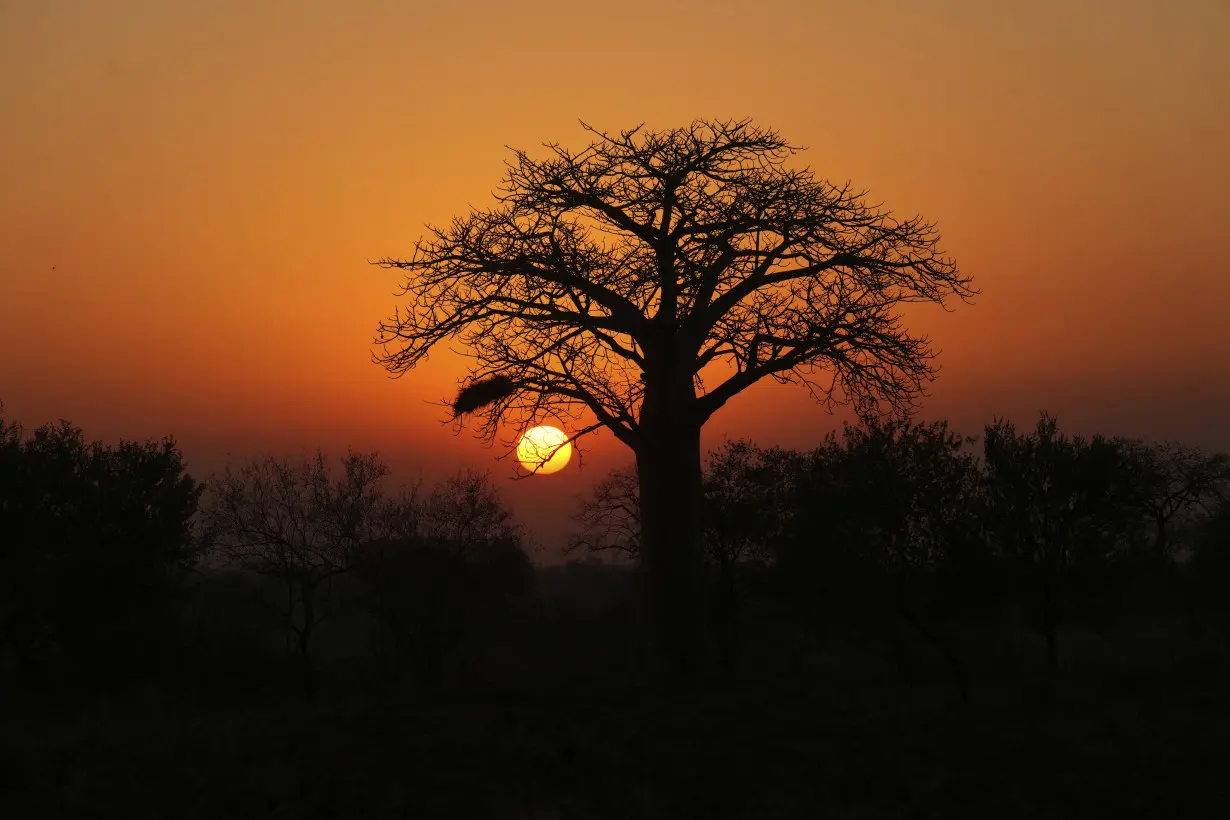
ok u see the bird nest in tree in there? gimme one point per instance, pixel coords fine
(482, 393)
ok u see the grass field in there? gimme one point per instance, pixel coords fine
(1126, 746)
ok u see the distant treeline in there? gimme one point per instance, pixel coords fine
(899, 548)
(907, 524)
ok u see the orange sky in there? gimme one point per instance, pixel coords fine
(208, 179)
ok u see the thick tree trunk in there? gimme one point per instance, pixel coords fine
(669, 472)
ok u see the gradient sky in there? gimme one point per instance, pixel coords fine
(189, 192)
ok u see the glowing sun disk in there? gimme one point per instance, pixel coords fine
(544, 450)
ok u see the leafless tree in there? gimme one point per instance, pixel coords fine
(642, 282)
(451, 576)
(300, 524)
(466, 512)
(608, 519)
(1181, 480)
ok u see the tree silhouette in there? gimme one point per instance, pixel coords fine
(745, 509)
(94, 541)
(1059, 505)
(642, 282)
(465, 511)
(1181, 480)
(889, 508)
(448, 577)
(744, 494)
(609, 518)
(300, 524)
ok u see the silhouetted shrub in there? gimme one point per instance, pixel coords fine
(94, 546)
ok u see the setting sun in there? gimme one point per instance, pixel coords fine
(544, 450)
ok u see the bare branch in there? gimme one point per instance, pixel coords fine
(669, 251)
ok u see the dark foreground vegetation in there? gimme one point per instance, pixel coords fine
(899, 623)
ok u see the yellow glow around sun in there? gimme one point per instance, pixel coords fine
(544, 450)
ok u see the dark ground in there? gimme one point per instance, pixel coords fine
(1113, 743)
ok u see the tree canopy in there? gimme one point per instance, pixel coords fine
(695, 250)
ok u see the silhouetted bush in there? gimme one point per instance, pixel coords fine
(887, 555)
(1063, 510)
(453, 579)
(95, 542)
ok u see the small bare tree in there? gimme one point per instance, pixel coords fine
(642, 282)
(608, 520)
(300, 524)
(451, 576)
(1182, 480)
(465, 511)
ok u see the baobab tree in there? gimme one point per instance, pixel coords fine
(642, 282)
